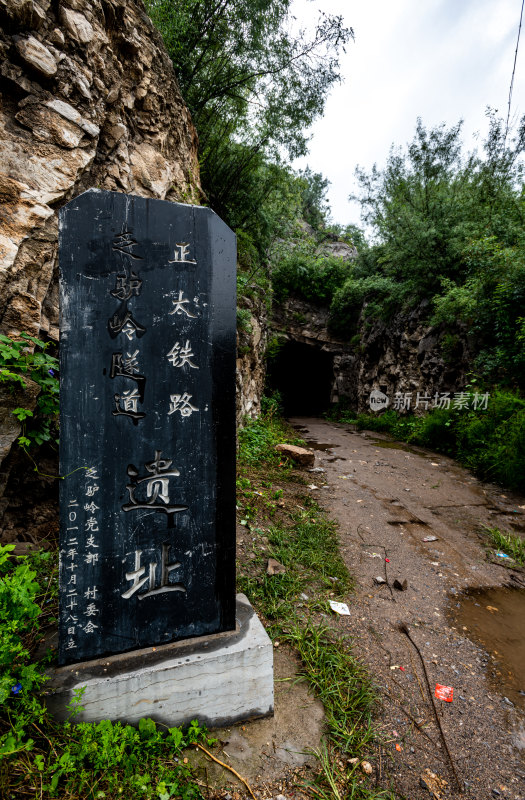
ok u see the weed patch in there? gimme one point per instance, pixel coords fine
(509, 543)
(295, 607)
(26, 358)
(42, 759)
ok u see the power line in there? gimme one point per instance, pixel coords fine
(513, 71)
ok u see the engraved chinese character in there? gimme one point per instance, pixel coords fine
(129, 400)
(139, 578)
(157, 485)
(127, 367)
(70, 644)
(126, 324)
(179, 306)
(91, 524)
(90, 627)
(422, 400)
(181, 253)
(91, 473)
(90, 541)
(181, 402)
(124, 243)
(91, 610)
(91, 593)
(126, 285)
(91, 507)
(181, 355)
(90, 490)
(91, 558)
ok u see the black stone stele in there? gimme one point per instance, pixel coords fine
(147, 424)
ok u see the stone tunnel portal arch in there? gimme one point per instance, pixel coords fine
(304, 375)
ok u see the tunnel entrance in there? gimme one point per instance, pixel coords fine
(303, 374)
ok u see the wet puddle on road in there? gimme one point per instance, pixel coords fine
(495, 619)
(324, 446)
(394, 445)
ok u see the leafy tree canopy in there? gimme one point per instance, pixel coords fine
(450, 230)
(254, 83)
(430, 199)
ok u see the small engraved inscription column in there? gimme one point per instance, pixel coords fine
(147, 424)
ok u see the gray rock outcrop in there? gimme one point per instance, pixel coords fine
(89, 99)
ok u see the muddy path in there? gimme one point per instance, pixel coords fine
(387, 500)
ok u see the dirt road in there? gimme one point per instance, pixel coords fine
(387, 500)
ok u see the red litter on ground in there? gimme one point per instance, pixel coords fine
(445, 693)
(387, 560)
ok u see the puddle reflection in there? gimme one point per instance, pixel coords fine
(495, 619)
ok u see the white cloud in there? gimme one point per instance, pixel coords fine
(441, 60)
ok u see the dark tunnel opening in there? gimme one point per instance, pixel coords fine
(303, 374)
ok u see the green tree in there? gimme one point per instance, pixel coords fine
(415, 207)
(252, 85)
(450, 229)
(314, 205)
(430, 200)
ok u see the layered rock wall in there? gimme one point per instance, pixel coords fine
(404, 356)
(89, 99)
(252, 338)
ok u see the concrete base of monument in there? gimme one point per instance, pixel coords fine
(218, 679)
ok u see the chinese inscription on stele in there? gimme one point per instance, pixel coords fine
(147, 440)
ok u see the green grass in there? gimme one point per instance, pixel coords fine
(340, 781)
(43, 759)
(308, 548)
(306, 542)
(509, 543)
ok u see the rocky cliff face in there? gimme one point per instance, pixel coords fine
(89, 99)
(404, 356)
(252, 338)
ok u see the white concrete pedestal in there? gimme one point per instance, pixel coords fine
(218, 679)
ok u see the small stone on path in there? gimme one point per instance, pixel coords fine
(401, 586)
(274, 567)
(301, 456)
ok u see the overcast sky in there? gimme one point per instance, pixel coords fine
(442, 60)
